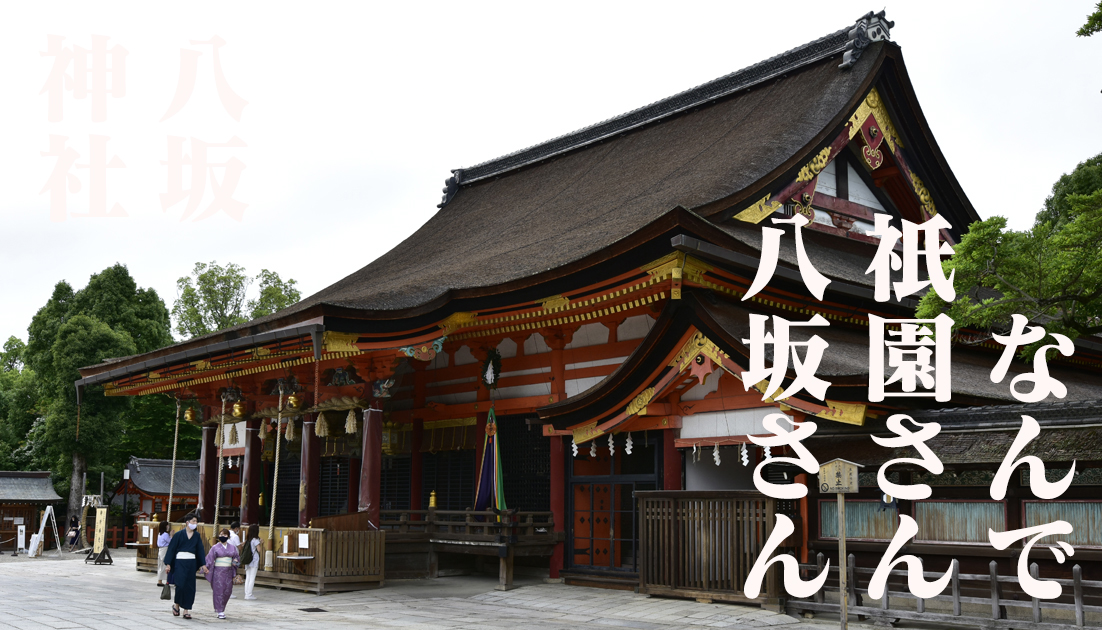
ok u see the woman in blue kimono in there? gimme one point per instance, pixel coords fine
(186, 553)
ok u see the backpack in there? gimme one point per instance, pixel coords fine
(247, 553)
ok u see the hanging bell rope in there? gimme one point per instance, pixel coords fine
(172, 476)
(350, 423)
(221, 464)
(268, 554)
(321, 427)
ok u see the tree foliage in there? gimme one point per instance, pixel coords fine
(1094, 23)
(111, 317)
(1050, 273)
(275, 295)
(214, 298)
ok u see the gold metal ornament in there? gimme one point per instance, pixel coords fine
(239, 409)
(293, 401)
(189, 414)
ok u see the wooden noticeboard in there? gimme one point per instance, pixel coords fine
(100, 554)
(840, 477)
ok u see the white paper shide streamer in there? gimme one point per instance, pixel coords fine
(611, 445)
(627, 444)
(715, 453)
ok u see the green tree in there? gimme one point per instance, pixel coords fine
(275, 295)
(214, 298)
(1050, 273)
(1094, 23)
(211, 299)
(12, 356)
(111, 317)
(19, 399)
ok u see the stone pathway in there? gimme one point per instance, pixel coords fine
(46, 593)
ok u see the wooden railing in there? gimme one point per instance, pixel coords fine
(702, 544)
(979, 592)
(470, 525)
(332, 560)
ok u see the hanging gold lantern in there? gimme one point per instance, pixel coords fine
(239, 409)
(390, 438)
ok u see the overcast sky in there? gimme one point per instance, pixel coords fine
(354, 114)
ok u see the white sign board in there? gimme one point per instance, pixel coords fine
(304, 541)
(285, 545)
(21, 538)
(145, 531)
(838, 476)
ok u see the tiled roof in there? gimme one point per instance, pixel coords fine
(152, 476)
(27, 487)
(821, 48)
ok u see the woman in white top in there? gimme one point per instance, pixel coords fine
(254, 545)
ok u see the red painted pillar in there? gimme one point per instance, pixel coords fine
(671, 461)
(251, 471)
(208, 474)
(557, 340)
(309, 472)
(371, 470)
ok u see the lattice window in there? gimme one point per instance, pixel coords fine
(452, 475)
(333, 486)
(526, 464)
(394, 493)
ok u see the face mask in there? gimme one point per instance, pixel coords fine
(192, 526)
(223, 538)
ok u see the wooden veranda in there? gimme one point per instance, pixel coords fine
(331, 561)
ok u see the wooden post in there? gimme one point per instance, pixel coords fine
(820, 597)
(956, 587)
(843, 592)
(1077, 577)
(920, 605)
(1034, 572)
(995, 612)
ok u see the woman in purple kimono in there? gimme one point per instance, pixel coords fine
(222, 561)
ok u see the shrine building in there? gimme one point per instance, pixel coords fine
(590, 291)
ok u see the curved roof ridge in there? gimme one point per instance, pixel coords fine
(749, 76)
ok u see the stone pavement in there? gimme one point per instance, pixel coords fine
(50, 593)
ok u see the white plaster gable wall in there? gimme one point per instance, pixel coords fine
(860, 193)
(727, 423)
(699, 391)
(828, 180)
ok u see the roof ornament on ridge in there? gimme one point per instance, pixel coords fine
(872, 27)
(451, 186)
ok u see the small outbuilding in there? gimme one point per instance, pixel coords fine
(23, 496)
(150, 481)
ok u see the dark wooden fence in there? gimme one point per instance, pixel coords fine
(992, 592)
(703, 544)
